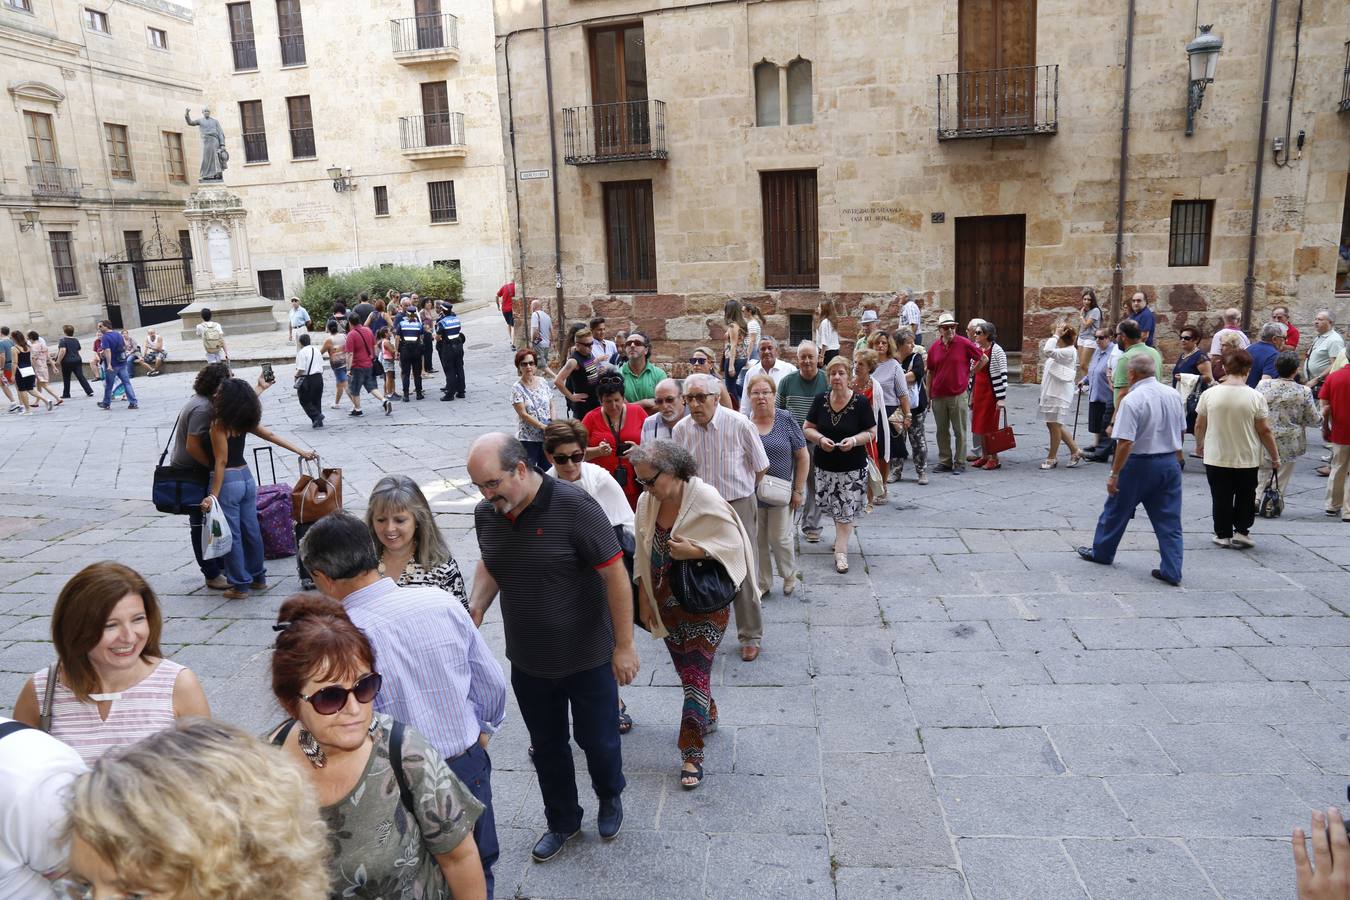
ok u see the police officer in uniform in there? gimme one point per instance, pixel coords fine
(410, 331)
(450, 346)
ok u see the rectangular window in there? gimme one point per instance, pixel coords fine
(241, 36)
(316, 272)
(799, 328)
(41, 139)
(173, 157)
(381, 200)
(158, 38)
(1343, 258)
(255, 132)
(119, 151)
(1188, 242)
(630, 236)
(791, 245)
(63, 263)
(441, 195)
(302, 127)
(20, 5)
(96, 21)
(451, 264)
(292, 31)
(270, 286)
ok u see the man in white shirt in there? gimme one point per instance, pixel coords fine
(767, 364)
(669, 411)
(297, 317)
(911, 317)
(541, 333)
(1232, 324)
(35, 772)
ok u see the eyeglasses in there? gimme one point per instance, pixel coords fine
(698, 360)
(667, 401)
(489, 485)
(563, 458)
(528, 362)
(696, 398)
(646, 482)
(330, 700)
(586, 343)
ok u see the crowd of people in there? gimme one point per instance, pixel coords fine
(658, 503)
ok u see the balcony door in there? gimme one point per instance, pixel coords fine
(430, 31)
(989, 254)
(436, 113)
(619, 91)
(997, 54)
(41, 140)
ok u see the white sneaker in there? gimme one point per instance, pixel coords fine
(1222, 542)
(1242, 540)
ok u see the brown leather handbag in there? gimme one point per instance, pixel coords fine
(315, 496)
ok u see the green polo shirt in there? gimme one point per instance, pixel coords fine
(1120, 378)
(640, 387)
(796, 394)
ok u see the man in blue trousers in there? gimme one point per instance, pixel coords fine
(1147, 470)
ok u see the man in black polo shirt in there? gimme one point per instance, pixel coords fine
(567, 607)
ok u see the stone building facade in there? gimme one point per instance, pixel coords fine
(93, 150)
(786, 152)
(401, 96)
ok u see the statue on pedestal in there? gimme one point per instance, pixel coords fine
(215, 157)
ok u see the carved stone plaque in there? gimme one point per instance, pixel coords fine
(218, 248)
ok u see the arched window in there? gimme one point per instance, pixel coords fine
(799, 91)
(766, 94)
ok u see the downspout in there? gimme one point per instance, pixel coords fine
(1249, 283)
(1117, 274)
(553, 157)
(515, 168)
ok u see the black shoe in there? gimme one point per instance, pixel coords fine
(1157, 573)
(318, 424)
(942, 467)
(421, 396)
(356, 412)
(447, 397)
(460, 396)
(958, 470)
(551, 844)
(610, 819)
(406, 398)
(1086, 553)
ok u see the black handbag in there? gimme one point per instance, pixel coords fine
(176, 490)
(1272, 501)
(701, 586)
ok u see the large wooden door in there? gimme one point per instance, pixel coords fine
(41, 140)
(989, 256)
(619, 90)
(996, 46)
(436, 113)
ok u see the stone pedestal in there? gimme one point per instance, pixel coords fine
(221, 271)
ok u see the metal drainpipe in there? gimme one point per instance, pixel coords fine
(515, 167)
(553, 157)
(1249, 283)
(1117, 275)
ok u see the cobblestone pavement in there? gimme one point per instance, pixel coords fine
(971, 712)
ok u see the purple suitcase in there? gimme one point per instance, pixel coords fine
(274, 512)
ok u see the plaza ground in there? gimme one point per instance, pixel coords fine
(972, 711)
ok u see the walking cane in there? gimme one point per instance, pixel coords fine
(1077, 407)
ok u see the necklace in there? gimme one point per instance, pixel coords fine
(837, 417)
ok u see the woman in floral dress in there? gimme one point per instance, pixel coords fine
(1292, 409)
(532, 398)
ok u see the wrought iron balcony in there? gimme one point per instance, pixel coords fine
(998, 102)
(293, 49)
(432, 136)
(613, 132)
(245, 54)
(1345, 82)
(422, 39)
(54, 181)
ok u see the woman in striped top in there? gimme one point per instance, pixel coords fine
(989, 391)
(113, 686)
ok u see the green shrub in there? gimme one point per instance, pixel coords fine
(435, 282)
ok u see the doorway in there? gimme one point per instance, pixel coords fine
(619, 90)
(997, 53)
(989, 254)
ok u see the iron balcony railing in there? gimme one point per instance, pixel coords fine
(293, 49)
(1345, 82)
(434, 32)
(54, 181)
(997, 102)
(245, 54)
(610, 132)
(431, 130)
(255, 147)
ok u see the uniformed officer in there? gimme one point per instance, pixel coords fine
(410, 331)
(450, 346)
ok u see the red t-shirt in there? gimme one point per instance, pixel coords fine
(508, 293)
(1335, 393)
(360, 344)
(631, 431)
(949, 366)
(1291, 338)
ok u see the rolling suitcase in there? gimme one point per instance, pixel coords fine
(274, 511)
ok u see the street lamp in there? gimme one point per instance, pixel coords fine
(30, 220)
(1203, 53)
(342, 180)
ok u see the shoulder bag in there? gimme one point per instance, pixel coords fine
(315, 496)
(701, 586)
(1272, 501)
(774, 491)
(1002, 439)
(176, 490)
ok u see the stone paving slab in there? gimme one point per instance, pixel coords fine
(972, 712)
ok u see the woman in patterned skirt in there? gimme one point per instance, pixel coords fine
(680, 517)
(412, 549)
(841, 425)
(990, 385)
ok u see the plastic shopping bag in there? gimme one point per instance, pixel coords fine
(216, 536)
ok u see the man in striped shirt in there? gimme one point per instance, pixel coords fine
(796, 392)
(439, 675)
(731, 458)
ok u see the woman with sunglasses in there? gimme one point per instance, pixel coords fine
(615, 428)
(532, 398)
(1194, 361)
(577, 378)
(988, 391)
(400, 823)
(701, 363)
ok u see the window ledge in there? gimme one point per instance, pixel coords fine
(303, 65)
(303, 158)
(261, 162)
(453, 222)
(26, 12)
(61, 297)
(252, 71)
(386, 216)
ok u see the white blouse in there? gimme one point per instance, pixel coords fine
(826, 336)
(601, 485)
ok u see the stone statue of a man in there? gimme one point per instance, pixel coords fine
(215, 157)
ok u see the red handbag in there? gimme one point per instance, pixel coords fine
(1001, 440)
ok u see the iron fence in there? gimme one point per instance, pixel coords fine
(609, 132)
(998, 102)
(433, 32)
(292, 49)
(163, 288)
(245, 54)
(255, 147)
(54, 181)
(432, 130)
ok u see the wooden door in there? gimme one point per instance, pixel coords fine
(430, 31)
(619, 90)
(989, 255)
(436, 113)
(41, 139)
(996, 54)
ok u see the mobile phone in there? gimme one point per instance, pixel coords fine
(268, 375)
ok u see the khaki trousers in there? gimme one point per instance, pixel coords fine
(951, 414)
(1337, 497)
(749, 617)
(773, 543)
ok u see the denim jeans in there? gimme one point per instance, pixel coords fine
(118, 373)
(474, 768)
(239, 501)
(1153, 480)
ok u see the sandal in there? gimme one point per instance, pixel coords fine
(696, 775)
(1049, 464)
(991, 464)
(625, 720)
(1075, 461)
(841, 563)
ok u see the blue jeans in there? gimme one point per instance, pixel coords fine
(474, 768)
(1153, 479)
(239, 501)
(593, 695)
(118, 373)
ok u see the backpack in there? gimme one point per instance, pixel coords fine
(213, 338)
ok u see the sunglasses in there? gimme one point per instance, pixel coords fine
(696, 398)
(330, 700)
(561, 458)
(1188, 337)
(1107, 337)
(635, 343)
(646, 482)
(698, 360)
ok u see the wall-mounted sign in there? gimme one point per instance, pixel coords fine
(531, 174)
(937, 218)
